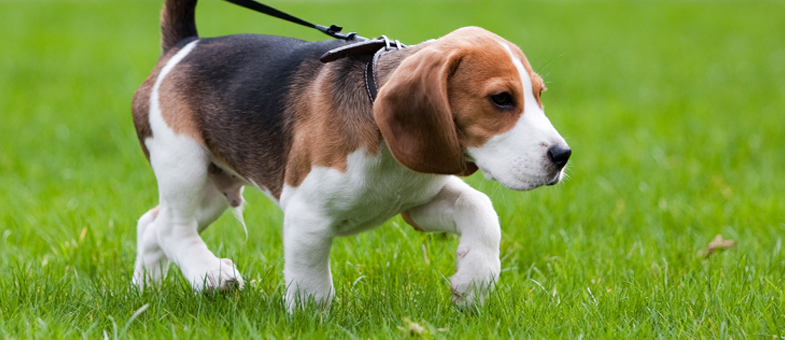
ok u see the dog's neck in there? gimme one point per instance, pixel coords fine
(389, 62)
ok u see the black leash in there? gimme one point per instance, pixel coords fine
(333, 31)
(362, 46)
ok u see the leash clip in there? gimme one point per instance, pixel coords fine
(335, 32)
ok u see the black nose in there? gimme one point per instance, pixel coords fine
(559, 155)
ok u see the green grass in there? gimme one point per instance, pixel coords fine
(674, 111)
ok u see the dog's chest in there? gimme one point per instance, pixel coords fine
(371, 190)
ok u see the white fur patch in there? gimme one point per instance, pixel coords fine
(330, 203)
(156, 119)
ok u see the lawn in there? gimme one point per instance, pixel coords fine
(675, 111)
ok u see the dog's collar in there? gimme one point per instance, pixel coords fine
(378, 47)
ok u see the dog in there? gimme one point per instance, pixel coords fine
(218, 114)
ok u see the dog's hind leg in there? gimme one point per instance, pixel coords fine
(151, 262)
(189, 202)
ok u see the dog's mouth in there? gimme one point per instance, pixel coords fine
(522, 184)
(516, 184)
(557, 178)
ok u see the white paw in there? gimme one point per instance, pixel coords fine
(300, 298)
(223, 276)
(150, 269)
(475, 276)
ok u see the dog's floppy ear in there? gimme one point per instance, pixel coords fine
(414, 116)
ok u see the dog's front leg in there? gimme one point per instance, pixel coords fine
(307, 239)
(460, 209)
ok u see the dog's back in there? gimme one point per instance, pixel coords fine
(250, 73)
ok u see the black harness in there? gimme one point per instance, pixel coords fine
(361, 45)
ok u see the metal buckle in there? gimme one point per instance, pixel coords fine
(388, 44)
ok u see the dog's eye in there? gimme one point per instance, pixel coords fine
(502, 100)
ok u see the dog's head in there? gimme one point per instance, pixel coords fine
(470, 100)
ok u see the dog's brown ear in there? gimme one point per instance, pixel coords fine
(414, 116)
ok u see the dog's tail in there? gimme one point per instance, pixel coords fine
(177, 22)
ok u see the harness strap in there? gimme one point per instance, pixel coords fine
(361, 48)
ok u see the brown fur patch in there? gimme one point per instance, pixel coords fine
(331, 118)
(486, 69)
(140, 107)
(176, 108)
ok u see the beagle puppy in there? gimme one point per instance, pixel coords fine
(218, 114)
